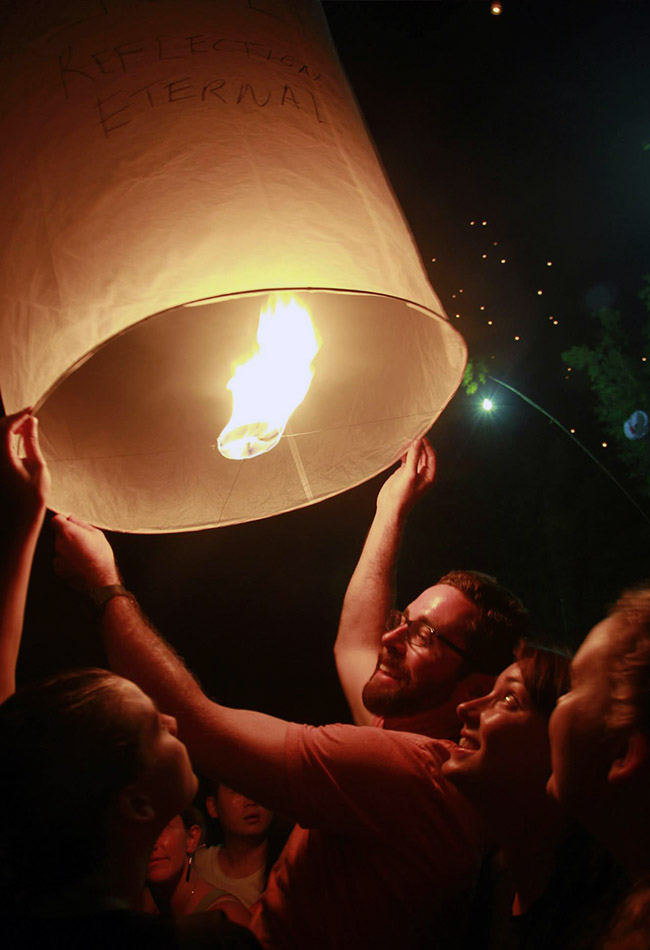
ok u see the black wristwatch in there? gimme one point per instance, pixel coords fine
(100, 596)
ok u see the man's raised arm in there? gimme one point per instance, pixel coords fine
(24, 487)
(246, 750)
(371, 591)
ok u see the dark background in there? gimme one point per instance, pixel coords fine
(534, 121)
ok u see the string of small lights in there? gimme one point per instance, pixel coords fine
(491, 254)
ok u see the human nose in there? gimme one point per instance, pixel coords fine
(470, 712)
(395, 638)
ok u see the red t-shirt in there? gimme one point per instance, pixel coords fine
(385, 852)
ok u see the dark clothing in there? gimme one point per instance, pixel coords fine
(126, 930)
(577, 906)
(571, 914)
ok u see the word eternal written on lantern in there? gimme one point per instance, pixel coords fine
(268, 386)
(119, 109)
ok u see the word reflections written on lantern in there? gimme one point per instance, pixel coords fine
(270, 384)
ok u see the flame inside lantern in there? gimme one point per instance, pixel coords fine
(268, 386)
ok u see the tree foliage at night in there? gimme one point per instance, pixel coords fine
(620, 384)
(475, 375)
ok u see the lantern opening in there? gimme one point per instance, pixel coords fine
(136, 421)
(270, 384)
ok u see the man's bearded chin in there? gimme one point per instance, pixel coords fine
(387, 699)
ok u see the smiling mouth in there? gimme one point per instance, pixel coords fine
(468, 744)
(388, 671)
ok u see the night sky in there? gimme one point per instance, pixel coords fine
(534, 121)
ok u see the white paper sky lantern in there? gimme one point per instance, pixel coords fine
(169, 169)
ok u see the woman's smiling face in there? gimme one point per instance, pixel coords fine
(503, 755)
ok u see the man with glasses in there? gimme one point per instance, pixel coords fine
(409, 671)
(385, 851)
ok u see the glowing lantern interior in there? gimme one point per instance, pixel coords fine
(268, 386)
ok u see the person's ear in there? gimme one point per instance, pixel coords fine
(211, 806)
(473, 686)
(133, 804)
(192, 838)
(634, 756)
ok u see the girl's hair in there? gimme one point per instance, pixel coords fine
(69, 745)
(193, 816)
(630, 661)
(545, 672)
(276, 835)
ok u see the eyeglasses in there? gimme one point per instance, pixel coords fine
(419, 634)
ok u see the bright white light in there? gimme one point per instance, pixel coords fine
(487, 405)
(272, 382)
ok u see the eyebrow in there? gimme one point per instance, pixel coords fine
(410, 619)
(444, 628)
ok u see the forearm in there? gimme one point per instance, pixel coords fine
(15, 570)
(371, 591)
(246, 750)
(370, 594)
(241, 748)
(137, 651)
(368, 599)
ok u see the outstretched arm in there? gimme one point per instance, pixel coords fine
(24, 484)
(371, 591)
(246, 750)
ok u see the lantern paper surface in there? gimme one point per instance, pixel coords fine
(165, 166)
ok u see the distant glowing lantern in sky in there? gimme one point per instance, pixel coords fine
(496, 8)
(169, 172)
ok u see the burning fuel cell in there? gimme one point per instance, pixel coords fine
(272, 382)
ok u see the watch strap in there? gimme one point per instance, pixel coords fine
(100, 596)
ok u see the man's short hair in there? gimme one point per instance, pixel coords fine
(503, 620)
